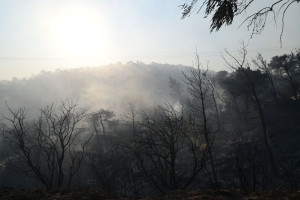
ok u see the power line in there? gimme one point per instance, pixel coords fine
(172, 54)
(30, 58)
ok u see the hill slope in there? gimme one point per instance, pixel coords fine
(113, 87)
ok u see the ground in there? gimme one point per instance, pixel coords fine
(33, 194)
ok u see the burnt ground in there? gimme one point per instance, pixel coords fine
(33, 194)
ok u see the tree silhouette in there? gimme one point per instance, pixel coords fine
(200, 86)
(250, 83)
(288, 67)
(166, 149)
(52, 146)
(225, 11)
(102, 116)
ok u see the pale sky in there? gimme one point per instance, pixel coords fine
(38, 35)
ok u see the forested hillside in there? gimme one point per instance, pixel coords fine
(144, 130)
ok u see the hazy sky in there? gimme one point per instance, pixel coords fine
(40, 35)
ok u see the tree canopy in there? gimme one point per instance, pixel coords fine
(224, 12)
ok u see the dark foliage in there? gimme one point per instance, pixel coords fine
(225, 11)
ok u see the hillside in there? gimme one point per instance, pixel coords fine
(113, 87)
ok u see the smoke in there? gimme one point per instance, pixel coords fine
(113, 87)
